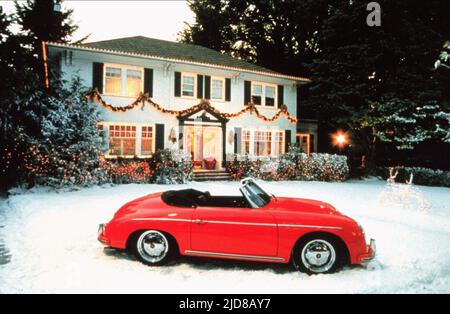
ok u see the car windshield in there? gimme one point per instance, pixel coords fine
(254, 194)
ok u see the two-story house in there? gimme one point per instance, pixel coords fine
(199, 100)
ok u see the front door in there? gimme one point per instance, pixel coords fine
(203, 142)
(244, 231)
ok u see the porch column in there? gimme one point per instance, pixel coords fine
(224, 143)
(181, 134)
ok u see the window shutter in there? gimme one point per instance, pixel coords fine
(247, 91)
(97, 76)
(199, 86)
(237, 140)
(287, 140)
(148, 82)
(280, 95)
(227, 89)
(207, 87)
(177, 84)
(159, 141)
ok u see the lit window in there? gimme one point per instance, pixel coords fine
(279, 143)
(246, 142)
(217, 87)
(122, 140)
(188, 85)
(147, 140)
(123, 80)
(270, 96)
(134, 82)
(256, 94)
(262, 143)
(113, 81)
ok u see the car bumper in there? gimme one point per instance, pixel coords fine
(370, 254)
(102, 238)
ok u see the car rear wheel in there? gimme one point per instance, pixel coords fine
(152, 247)
(317, 255)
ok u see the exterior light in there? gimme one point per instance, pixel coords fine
(340, 139)
(173, 136)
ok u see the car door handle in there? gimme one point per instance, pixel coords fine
(199, 221)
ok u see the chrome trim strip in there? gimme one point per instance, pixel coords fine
(239, 223)
(267, 258)
(367, 259)
(310, 226)
(242, 223)
(162, 219)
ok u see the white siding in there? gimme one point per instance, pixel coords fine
(163, 92)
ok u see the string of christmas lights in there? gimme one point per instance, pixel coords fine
(142, 99)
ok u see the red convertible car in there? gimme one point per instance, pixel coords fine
(255, 226)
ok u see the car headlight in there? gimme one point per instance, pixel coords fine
(363, 232)
(361, 228)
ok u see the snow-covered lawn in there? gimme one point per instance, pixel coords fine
(48, 244)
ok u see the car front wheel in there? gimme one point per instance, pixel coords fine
(152, 247)
(317, 255)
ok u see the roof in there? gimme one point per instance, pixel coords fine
(173, 51)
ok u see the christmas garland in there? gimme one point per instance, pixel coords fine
(142, 99)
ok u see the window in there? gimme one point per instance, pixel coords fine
(279, 143)
(113, 81)
(122, 140)
(217, 88)
(147, 140)
(262, 143)
(264, 94)
(257, 94)
(188, 85)
(246, 142)
(303, 140)
(123, 80)
(270, 96)
(134, 82)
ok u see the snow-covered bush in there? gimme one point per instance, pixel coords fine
(122, 171)
(240, 166)
(171, 166)
(294, 165)
(323, 167)
(164, 167)
(421, 176)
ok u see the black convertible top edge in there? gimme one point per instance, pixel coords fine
(183, 198)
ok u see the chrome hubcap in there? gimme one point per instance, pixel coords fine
(152, 246)
(318, 256)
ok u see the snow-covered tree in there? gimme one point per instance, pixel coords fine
(444, 57)
(21, 113)
(406, 124)
(67, 149)
(38, 21)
